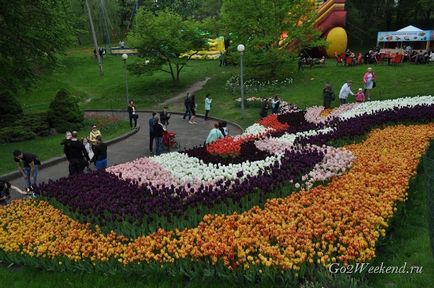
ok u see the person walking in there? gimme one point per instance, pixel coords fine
(132, 114)
(360, 96)
(76, 154)
(264, 108)
(369, 82)
(328, 95)
(94, 132)
(208, 102)
(214, 134)
(151, 123)
(100, 156)
(223, 127)
(165, 116)
(28, 165)
(63, 143)
(345, 92)
(158, 135)
(187, 104)
(275, 105)
(193, 106)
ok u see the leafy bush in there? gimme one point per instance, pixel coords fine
(64, 113)
(15, 134)
(10, 109)
(36, 122)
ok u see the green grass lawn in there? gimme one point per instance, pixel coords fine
(48, 147)
(78, 72)
(407, 242)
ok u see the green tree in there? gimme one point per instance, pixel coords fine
(10, 108)
(161, 40)
(64, 113)
(367, 17)
(259, 25)
(32, 34)
(184, 8)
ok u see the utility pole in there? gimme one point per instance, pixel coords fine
(95, 43)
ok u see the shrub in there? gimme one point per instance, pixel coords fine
(10, 109)
(15, 134)
(36, 122)
(64, 113)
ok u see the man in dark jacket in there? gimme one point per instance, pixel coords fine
(187, 104)
(158, 135)
(151, 123)
(76, 154)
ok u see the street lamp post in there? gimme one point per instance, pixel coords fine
(125, 57)
(240, 49)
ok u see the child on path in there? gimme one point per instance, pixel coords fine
(360, 96)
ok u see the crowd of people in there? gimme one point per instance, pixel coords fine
(78, 152)
(376, 55)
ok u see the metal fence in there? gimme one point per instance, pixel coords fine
(428, 164)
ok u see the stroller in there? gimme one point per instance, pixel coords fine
(169, 140)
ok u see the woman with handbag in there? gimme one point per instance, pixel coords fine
(369, 82)
(132, 114)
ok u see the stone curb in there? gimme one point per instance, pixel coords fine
(53, 161)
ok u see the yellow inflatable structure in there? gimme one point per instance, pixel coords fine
(216, 47)
(337, 40)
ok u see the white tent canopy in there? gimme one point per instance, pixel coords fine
(410, 28)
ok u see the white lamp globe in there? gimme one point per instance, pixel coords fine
(241, 48)
(124, 56)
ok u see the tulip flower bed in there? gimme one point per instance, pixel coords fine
(258, 212)
(104, 197)
(339, 222)
(177, 189)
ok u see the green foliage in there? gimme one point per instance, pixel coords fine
(161, 39)
(259, 26)
(197, 9)
(64, 113)
(367, 17)
(35, 122)
(32, 34)
(16, 126)
(16, 134)
(10, 108)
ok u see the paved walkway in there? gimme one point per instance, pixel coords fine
(192, 89)
(137, 145)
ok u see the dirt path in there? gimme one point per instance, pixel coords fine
(193, 88)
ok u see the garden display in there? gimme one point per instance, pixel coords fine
(294, 192)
